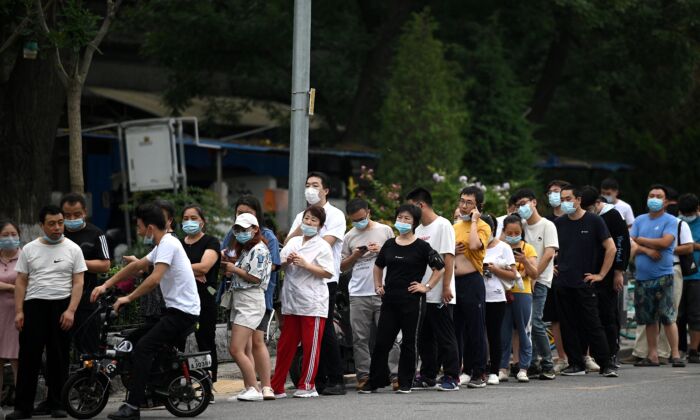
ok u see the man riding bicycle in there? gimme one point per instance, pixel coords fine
(173, 272)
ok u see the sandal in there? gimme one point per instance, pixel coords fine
(646, 362)
(677, 362)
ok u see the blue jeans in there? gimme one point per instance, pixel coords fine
(540, 341)
(517, 317)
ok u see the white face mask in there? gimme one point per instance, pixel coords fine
(312, 196)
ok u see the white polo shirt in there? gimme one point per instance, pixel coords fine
(178, 285)
(302, 292)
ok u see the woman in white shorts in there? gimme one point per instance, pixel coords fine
(250, 275)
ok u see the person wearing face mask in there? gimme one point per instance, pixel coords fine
(403, 299)
(517, 313)
(586, 255)
(550, 314)
(689, 308)
(330, 380)
(510, 209)
(48, 289)
(173, 274)
(610, 287)
(202, 250)
(610, 189)
(542, 235)
(9, 336)
(360, 248)
(655, 234)
(307, 261)
(250, 276)
(471, 236)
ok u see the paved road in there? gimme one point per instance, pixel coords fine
(639, 393)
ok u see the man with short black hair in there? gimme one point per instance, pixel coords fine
(689, 309)
(586, 254)
(542, 235)
(329, 379)
(47, 293)
(610, 189)
(437, 342)
(173, 273)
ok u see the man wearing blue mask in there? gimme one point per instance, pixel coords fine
(542, 235)
(655, 234)
(361, 246)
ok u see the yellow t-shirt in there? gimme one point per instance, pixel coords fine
(462, 231)
(529, 251)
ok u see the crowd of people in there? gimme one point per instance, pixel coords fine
(434, 303)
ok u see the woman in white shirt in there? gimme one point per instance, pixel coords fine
(499, 272)
(307, 261)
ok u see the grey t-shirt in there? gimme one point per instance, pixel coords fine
(362, 281)
(50, 268)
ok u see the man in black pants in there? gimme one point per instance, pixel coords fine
(47, 292)
(609, 289)
(173, 272)
(586, 254)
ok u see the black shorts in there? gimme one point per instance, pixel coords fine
(265, 321)
(690, 304)
(550, 306)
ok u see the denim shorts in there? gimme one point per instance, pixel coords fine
(653, 301)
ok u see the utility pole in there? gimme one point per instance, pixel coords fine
(299, 136)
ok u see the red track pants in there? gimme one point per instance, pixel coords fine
(296, 328)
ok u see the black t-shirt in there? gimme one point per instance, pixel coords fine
(404, 265)
(580, 248)
(195, 252)
(93, 243)
(617, 226)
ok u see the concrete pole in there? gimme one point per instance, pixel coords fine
(299, 136)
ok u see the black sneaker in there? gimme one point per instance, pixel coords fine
(573, 371)
(421, 384)
(615, 362)
(609, 372)
(477, 382)
(533, 371)
(514, 369)
(125, 413)
(547, 375)
(58, 414)
(404, 390)
(42, 409)
(337, 389)
(367, 388)
(18, 415)
(693, 356)
(677, 362)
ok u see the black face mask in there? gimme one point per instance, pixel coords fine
(672, 209)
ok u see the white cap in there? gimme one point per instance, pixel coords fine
(246, 220)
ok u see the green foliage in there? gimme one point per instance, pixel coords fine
(75, 27)
(422, 117)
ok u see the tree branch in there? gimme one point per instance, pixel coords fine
(86, 60)
(62, 74)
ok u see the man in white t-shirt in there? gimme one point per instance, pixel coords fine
(329, 379)
(360, 248)
(49, 285)
(437, 342)
(542, 235)
(173, 272)
(610, 189)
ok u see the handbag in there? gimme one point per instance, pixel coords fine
(687, 262)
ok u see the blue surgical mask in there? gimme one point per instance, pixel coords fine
(568, 207)
(525, 211)
(512, 240)
(655, 204)
(610, 199)
(243, 237)
(465, 217)
(403, 227)
(361, 224)
(554, 199)
(191, 227)
(53, 241)
(148, 240)
(308, 230)
(74, 224)
(9, 242)
(687, 219)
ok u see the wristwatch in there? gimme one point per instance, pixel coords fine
(428, 286)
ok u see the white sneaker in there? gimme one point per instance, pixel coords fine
(464, 379)
(522, 376)
(560, 365)
(502, 376)
(493, 380)
(591, 365)
(280, 396)
(268, 394)
(251, 394)
(305, 393)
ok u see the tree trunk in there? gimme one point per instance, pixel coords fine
(31, 102)
(75, 126)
